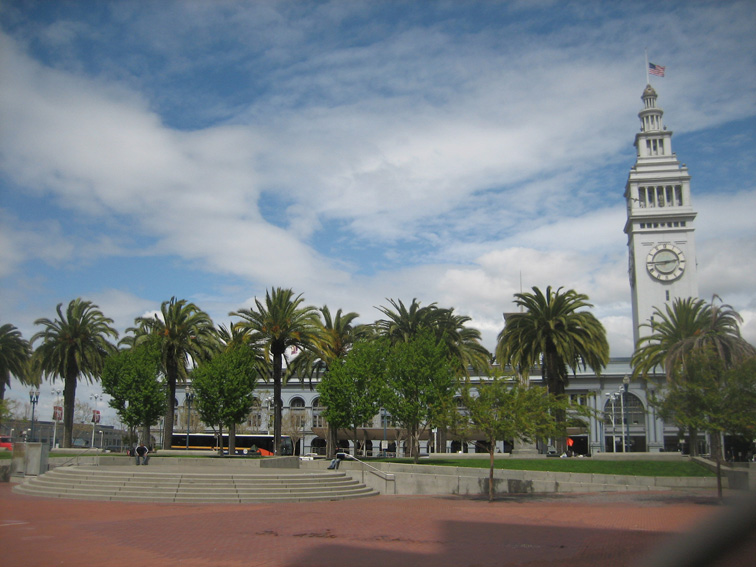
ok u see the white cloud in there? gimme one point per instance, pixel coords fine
(457, 157)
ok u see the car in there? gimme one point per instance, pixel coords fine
(6, 443)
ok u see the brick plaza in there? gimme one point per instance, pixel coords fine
(387, 531)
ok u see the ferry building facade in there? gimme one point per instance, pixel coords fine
(662, 267)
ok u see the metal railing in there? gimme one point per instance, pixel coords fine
(386, 477)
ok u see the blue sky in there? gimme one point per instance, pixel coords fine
(358, 151)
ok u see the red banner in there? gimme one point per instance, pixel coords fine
(57, 413)
(95, 416)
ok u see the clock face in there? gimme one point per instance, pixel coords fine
(665, 262)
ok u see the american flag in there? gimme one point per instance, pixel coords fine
(657, 70)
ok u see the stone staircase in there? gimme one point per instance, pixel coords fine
(140, 484)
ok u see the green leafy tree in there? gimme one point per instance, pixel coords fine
(132, 379)
(682, 328)
(507, 409)
(712, 398)
(14, 357)
(420, 385)
(555, 333)
(225, 388)
(403, 323)
(336, 336)
(186, 337)
(281, 322)
(72, 346)
(352, 388)
(235, 337)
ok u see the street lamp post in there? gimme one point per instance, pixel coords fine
(33, 399)
(95, 416)
(385, 446)
(613, 397)
(625, 425)
(101, 442)
(304, 424)
(56, 414)
(189, 396)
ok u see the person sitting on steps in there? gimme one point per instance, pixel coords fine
(141, 454)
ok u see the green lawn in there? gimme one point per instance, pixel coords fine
(630, 468)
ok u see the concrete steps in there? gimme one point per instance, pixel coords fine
(144, 485)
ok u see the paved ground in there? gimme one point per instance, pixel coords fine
(386, 531)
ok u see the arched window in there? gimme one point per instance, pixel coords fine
(635, 412)
(254, 419)
(298, 413)
(317, 413)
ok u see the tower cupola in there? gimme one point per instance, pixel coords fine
(650, 116)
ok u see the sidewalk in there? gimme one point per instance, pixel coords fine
(387, 531)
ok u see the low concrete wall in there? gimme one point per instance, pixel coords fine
(438, 480)
(279, 463)
(158, 460)
(657, 456)
(738, 476)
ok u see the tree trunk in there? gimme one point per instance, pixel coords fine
(492, 445)
(331, 442)
(220, 440)
(415, 444)
(69, 400)
(693, 442)
(555, 385)
(232, 439)
(146, 437)
(277, 402)
(716, 453)
(171, 376)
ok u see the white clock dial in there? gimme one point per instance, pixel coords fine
(665, 262)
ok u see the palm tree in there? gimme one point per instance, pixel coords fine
(337, 335)
(73, 345)
(688, 326)
(554, 334)
(463, 342)
(280, 323)
(402, 324)
(14, 357)
(684, 326)
(186, 336)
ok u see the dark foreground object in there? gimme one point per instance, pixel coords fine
(576, 530)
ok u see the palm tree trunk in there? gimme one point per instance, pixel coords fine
(171, 376)
(69, 400)
(277, 401)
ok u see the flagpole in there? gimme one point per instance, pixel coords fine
(648, 79)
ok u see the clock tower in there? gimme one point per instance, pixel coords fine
(660, 215)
